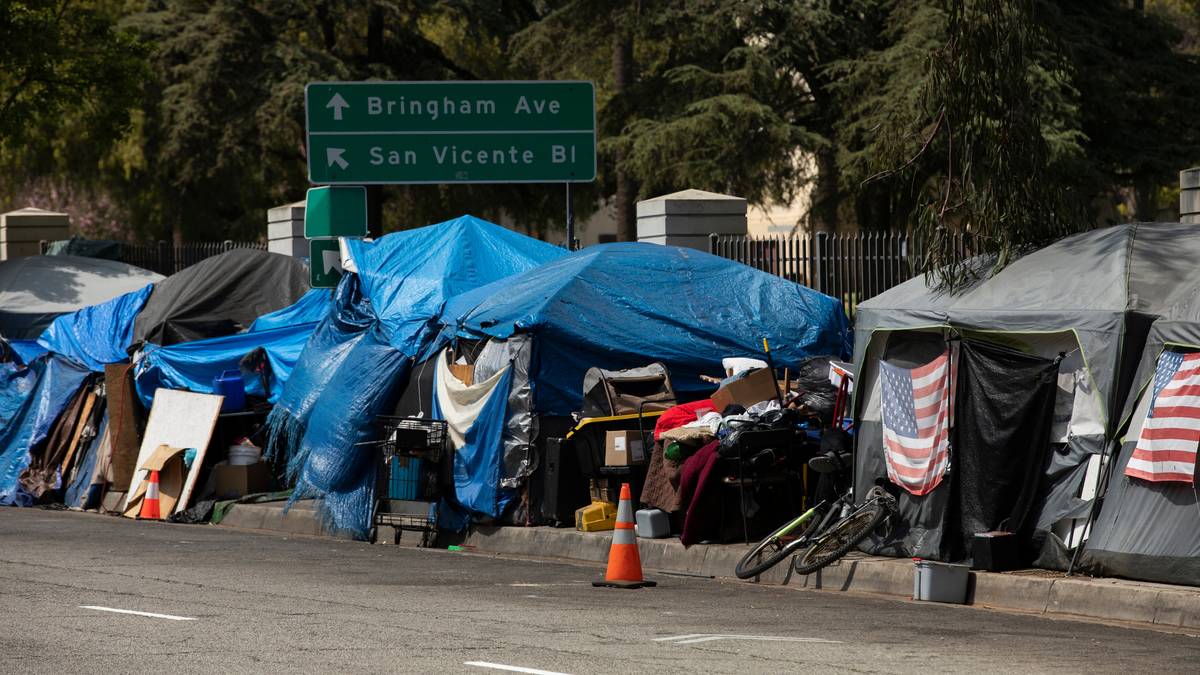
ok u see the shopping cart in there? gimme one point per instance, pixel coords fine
(407, 484)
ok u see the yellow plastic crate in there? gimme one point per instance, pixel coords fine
(596, 517)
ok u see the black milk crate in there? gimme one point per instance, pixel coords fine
(413, 436)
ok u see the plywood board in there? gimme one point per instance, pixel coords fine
(124, 418)
(179, 419)
(84, 419)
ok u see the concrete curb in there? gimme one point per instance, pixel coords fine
(1148, 604)
(1153, 605)
(302, 518)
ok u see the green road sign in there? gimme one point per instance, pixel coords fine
(450, 132)
(324, 263)
(335, 212)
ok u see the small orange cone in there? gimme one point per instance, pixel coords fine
(624, 563)
(150, 500)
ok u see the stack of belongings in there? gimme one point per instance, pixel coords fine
(691, 439)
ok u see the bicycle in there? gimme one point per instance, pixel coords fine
(825, 532)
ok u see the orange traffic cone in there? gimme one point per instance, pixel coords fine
(624, 563)
(150, 499)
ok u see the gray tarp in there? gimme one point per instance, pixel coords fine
(36, 289)
(1147, 530)
(1103, 287)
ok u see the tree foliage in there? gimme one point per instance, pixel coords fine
(1014, 120)
(61, 57)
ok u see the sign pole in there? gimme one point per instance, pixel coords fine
(570, 221)
(374, 211)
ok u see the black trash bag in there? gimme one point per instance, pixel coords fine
(817, 394)
(200, 512)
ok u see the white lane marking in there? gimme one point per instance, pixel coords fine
(697, 638)
(172, 617)
(513, 669)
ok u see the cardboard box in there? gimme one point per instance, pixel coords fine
(464, 372)
(238, 481)
(757, 386)
(624, 448)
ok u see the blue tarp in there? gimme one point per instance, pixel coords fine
(478, 463)
(39, 399)
(407, 276)
(193, 365)
(99, 334)
(312, 307)
(630, 304)
(26, 350)
(358, 359)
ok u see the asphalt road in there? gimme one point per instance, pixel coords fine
(263, 603)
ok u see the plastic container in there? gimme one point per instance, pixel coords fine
(597, 517)
(940, 582)
(231, 385)
(244, 455)
(653, 524)
(404, 478)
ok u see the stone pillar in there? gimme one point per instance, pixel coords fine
(687, 218)
(285, 230)
(22, 232)
(1189, 196)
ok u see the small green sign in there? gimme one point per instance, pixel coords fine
(451, 132)
(335, 212)
(324, 263)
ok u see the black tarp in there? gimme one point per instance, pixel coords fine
(1003, 413)
(221, 295)
(999, 452)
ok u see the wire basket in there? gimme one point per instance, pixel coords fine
(413, 437)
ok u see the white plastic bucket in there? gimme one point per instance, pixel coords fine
(243, 455)
(940, 582)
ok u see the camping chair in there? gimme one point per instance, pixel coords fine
(622, 392)
(619, 400)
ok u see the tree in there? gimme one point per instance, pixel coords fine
(68, 80)
(688, 97)
(58, 56)
(995, 122)
(585, 39)
(1014, 121)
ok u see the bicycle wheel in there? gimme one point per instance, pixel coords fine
(841, 537)
(775, 547)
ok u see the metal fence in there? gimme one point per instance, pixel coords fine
(167, 259)
(852, 267)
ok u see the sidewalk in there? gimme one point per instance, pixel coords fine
(1032, 591)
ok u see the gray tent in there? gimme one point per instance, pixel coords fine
(1150, 530)
(34, 290)
(1088, 302)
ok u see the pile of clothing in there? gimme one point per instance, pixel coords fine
(692, 438)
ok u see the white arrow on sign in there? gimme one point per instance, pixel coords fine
(332, 260)
(338, 104)
(334, 156)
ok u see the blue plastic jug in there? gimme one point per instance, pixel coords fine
(230, 385)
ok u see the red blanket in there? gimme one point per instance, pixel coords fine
(680, 415)
(703, 506)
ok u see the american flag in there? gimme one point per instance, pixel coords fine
(1166, 448)
(918, 406)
